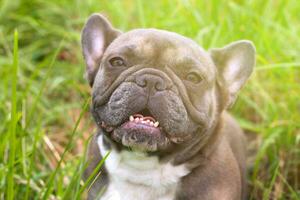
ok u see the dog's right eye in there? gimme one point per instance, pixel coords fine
(117, 62)
(194, 77)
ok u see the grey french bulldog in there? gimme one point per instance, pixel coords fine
(159, 101)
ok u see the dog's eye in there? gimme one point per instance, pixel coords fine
(117, 62)
(193, 77)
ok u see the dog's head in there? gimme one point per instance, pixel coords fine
(154, 89)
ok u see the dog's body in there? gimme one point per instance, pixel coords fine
(178, 143)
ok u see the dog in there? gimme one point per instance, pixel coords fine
(159, 101)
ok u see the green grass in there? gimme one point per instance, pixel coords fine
(44, 117)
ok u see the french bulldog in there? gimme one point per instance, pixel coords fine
(159, 101)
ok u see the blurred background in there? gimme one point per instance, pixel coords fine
(44, 98)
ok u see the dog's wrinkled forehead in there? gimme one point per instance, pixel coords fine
(159, 48)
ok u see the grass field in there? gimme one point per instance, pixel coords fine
(44, 97)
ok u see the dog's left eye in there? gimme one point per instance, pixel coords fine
(194, 77)
(117, 62)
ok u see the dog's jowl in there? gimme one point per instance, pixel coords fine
(159, 101)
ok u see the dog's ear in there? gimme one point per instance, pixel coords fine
(96, 36)
(235, 64)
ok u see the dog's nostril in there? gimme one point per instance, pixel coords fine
(160, 86)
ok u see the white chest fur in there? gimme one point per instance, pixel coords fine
(136, 176)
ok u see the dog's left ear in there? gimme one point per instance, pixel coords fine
(235, 64)
(96, 36)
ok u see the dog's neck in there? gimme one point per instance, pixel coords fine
(136, 175)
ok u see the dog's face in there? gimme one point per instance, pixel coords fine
(154, 90)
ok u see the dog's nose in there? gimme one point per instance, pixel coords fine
(151, 82)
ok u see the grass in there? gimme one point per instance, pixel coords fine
(45, 123)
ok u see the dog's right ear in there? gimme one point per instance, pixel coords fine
(96, 36)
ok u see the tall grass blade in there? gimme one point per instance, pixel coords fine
(13, 123)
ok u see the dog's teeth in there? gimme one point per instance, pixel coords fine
(151, 123)
(131, 118)
(156, 124)
(148, 121)
(143, 122)
(137, 119)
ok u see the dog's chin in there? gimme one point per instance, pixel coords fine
(139, 136)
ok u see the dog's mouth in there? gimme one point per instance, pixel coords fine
(141, 131)
(143, 122)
